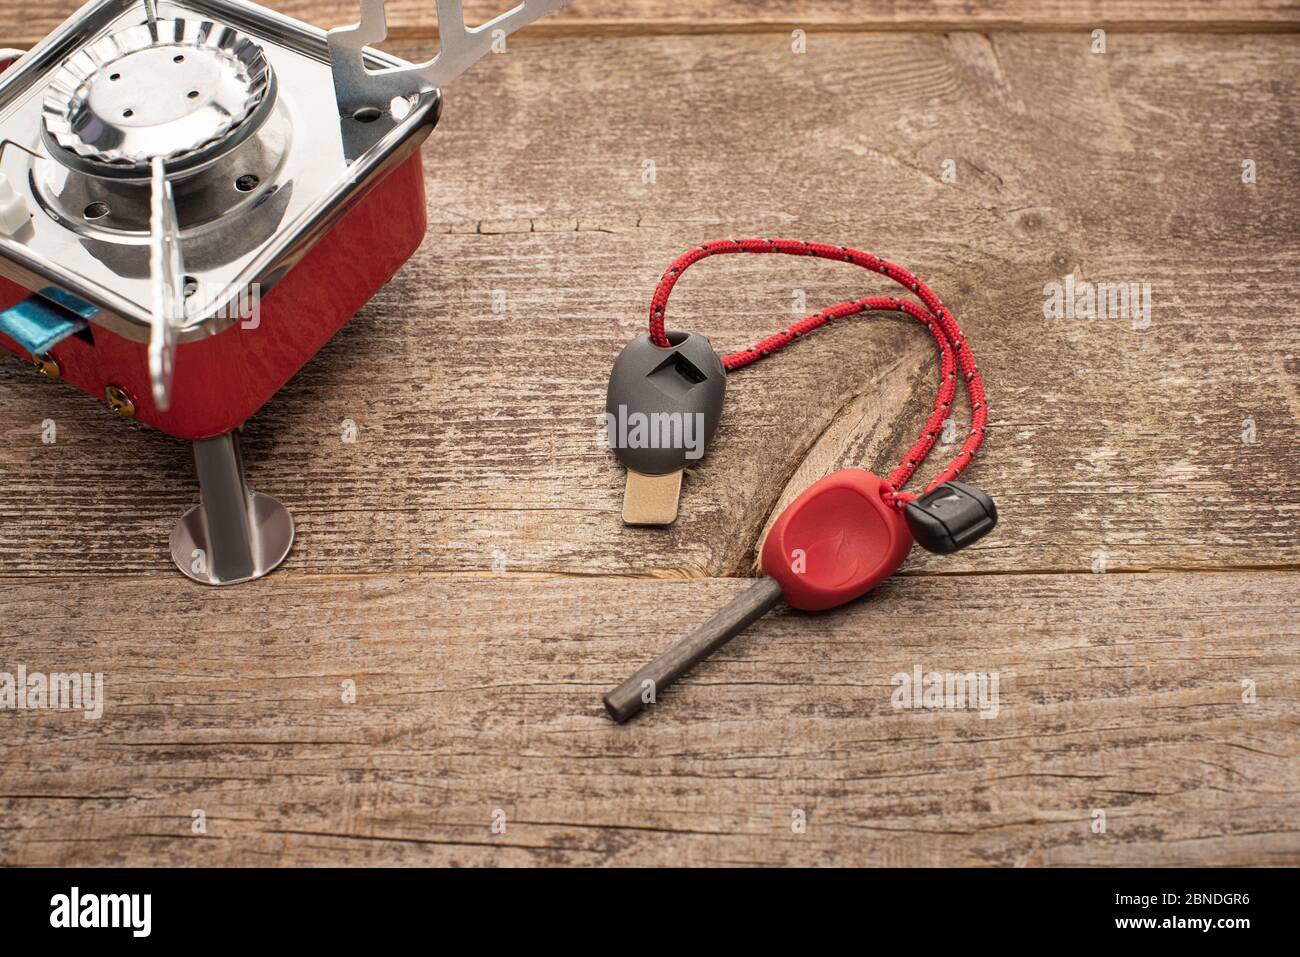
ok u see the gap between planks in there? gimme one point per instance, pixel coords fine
(543, 30)
(670, 575)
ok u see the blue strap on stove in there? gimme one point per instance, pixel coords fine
(44, 319)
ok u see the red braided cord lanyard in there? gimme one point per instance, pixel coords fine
(955, 352)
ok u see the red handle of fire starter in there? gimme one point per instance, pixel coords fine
(836, 541)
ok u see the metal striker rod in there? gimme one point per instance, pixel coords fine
(753, 603)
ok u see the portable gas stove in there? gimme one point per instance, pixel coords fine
(194, 197)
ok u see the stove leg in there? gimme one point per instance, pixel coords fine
(233, 535)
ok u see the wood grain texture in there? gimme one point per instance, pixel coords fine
(477, 431)
(463, 560)
(23, 22)
(482, 694)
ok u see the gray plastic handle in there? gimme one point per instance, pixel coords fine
(664, 405)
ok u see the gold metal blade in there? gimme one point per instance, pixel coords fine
(651, 499)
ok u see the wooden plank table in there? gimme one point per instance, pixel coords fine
(462, 563)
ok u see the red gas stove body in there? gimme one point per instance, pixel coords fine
(251, 361)
(195, 195)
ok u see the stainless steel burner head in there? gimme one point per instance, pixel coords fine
(186, 91)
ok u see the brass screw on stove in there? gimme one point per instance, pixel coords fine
(47, 366)
(119, 402)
